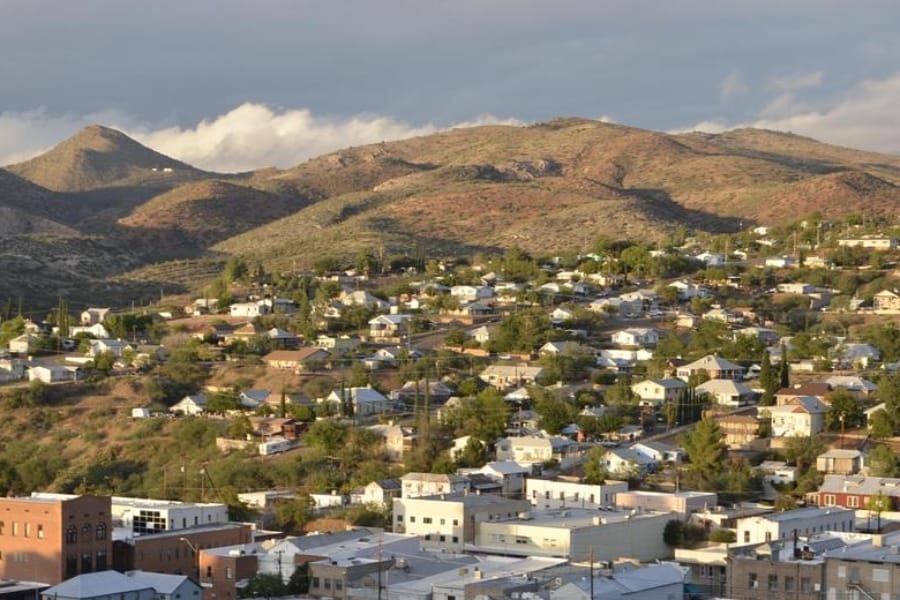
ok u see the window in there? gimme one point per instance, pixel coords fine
(100, 532)
(27, 529)
(338, 585)
(71, 565)
(412, 519)
(805, 585)
(455, 539)
(455, 522)
(315, 582)
(829, 499)
(327, 584)
(752, 581)
(227, 572)
(71, 534)
(40, 531)
(789, 583)
(87, 563)
(442, 538)
(15, 528)
(86, 532)
(1, 527)
(209, 572)
(442, 521)
(101, 561)
(773, 583)
(853, 501)
(746, 537)
(399, 518)
(427, 520)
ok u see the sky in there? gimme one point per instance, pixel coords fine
(239, 84)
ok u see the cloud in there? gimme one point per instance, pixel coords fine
(732, 87)
(866, 117)
(795, 83)
(248, 137)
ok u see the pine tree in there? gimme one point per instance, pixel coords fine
(707, 453)
(767, 380)
(784, 375)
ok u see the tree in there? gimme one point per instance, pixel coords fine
(768, 380)
(595, 466)
(327, 435)
(881, 425)
(264, 585)
(889, 393)
(673, 533)
(882, 462)
(473, 455)
(707, 453)
(843, 411)
(291, 515)
(803, 450)
(299, 581)
(555, 413)
(784, 376)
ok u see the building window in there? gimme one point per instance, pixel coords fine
(805, 585)
(101, 561)
(427, 520)
(455, 522)
(442, 521)
(773, 583)
(100, 532)
(315, 582)
(455, 539)
(338, 585)
(15, 528)
(87, 564)
(71, 565)
(412, 519)
(1, 527)
(27, 529)
(746, 537)
(209, 572)
(327, 584)
(227, 572)
(853, 501)
(789, 583)
(71, 534)
(442, 538)
(829, 499)
(399, 518)
(752, 581)
(40, 531)
(86, 532)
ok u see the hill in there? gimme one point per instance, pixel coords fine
(549, 187)
(98, 157)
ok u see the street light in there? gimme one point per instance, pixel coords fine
(196, 554)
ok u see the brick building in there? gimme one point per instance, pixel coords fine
(52, 537)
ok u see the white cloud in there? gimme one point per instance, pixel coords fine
(866, 117)
(248, 137)
(795, 83)
(732, 87)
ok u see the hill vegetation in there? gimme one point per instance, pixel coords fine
(547, 188)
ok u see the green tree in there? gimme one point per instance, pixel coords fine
(768, 380)
(555, 413)
(473, 455)
(300, 579)
(881, 425)
(595, 466)
(843, 410)
(264, 585)
(784, 375)
(327, 435)
(291, 515)
(882, 462)
(803, 450)
(889, 393)
(707, 452)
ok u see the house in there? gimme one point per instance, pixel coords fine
(870, 243)
(390, 357)
(658, 452)
(626, 581)
(723, 315)
(636, 336)
(783, 526)
(114, 347)
(97, 330)
(471, 293)
(94, 315)
(249, 309)
(560, 315)
(388, 328)
(764, 335)
(799, 416)
(886, 301)
(811, 388)
(190, 405)
(416, 485)
(777, 472)
(26, 343)
(536, 449)
(726, 392)
(509, 476)
(398, 440)
(363, 298)
(687, 321)
(659, 391)
(738, 431)
(714, 367)
(295, 360)
(102, 585)
(710, 259)
(562, 348)
(506, 376)
(365, 400)
(625, 463)
(437, 392)
(780, 262)
(840, 461)
(380, 493)
(859, 387)
(856, 491)
(253, 399)
(684, 504)
(687, 290)
(52, 373)
(552, 493)
(281, 338)
(482, 334)
(343, 344)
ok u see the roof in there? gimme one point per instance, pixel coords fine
(724, 386)
(95, 585)
(859, 485)
(713, 363)
(840, 453)
(812, 388)
(296, 355)
(163, 583)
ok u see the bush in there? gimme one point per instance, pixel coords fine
(722, 536)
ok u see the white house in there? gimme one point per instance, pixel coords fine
(802, 416)
(52, 373)
(535, 449)
(782, 526)
(552, 494)
(24, 344)
(636, 336)
(658, 391)
(714, 366)
(249, 309)
(726, 392)
(416, 485)
(93, 315)
(471, 293)
(504, 376)
(365, 400)
(711, 259)
(190, 405)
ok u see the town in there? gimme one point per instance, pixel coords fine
(710, 417)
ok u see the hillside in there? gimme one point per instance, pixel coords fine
(548, 187)
(98, 157)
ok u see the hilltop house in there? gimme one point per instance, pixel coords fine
(715, 367)
(799, 416)
(658, 391)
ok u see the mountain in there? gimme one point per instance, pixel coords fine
(98, 157)
(145, 220)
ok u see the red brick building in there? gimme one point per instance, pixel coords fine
(52, 537)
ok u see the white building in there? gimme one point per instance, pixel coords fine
(551, 494)
(659, 391)
(416, 485)
(365, 400)
(801, 416)
(782, 526)
(636, 336)
(144, 516)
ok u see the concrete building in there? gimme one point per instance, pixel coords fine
(683, 503)
(415, 485)
(870, 569)
(49, 538)
(141, 516)
(550, 494)
(575, 534)
(785, 525)
(450, 521)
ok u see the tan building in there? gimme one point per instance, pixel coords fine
(738, 430)
(52, 537)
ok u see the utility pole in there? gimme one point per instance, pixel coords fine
(592, 572)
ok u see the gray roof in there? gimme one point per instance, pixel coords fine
(163, 583)
(864, 486)
(94, 585)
